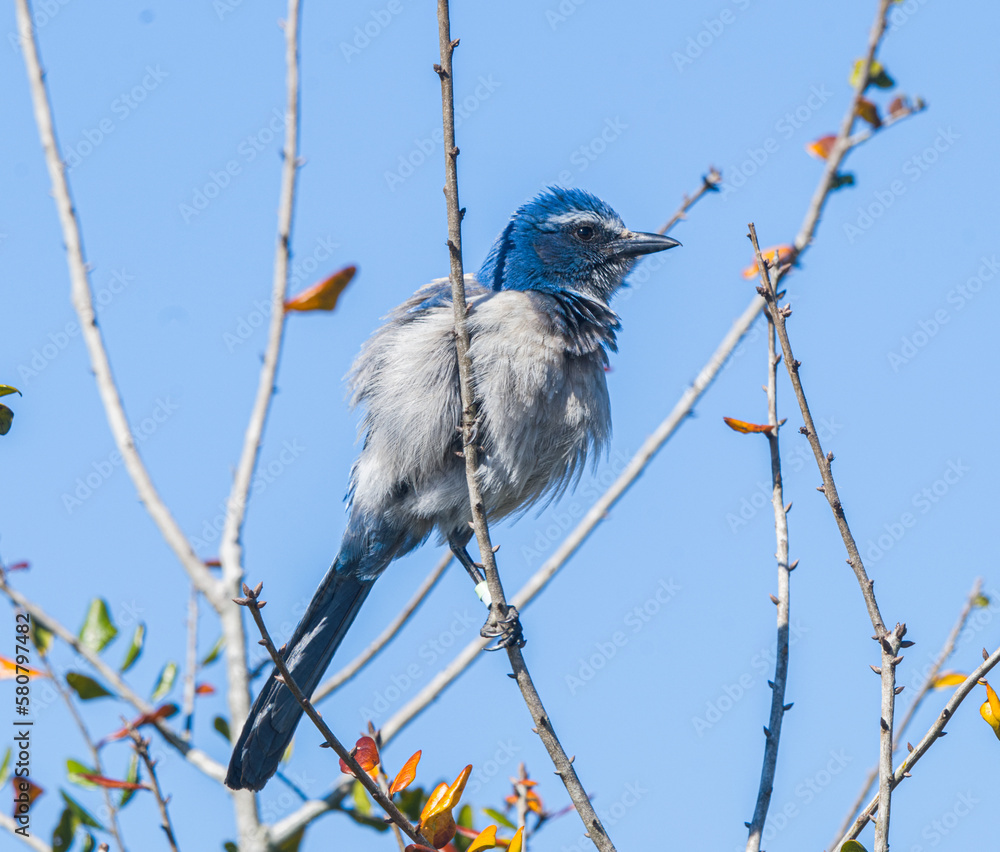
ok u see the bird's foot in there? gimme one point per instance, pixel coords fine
(505, 629)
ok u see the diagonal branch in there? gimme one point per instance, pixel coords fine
(925, 690)
(935, 732)
(196, 757)
(890, 642)
(386, 636)
(84, 304)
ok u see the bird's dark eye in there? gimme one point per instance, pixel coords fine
(585, 233)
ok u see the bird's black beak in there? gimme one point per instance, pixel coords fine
(634, 244)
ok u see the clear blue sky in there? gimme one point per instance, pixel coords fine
(163, 106)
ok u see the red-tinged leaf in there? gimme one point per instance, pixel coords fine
(366, 754)
(820, 148)
(869, 112)
(436, 821)
(322, 296)
(419, 847)
(215, 562)
(204, 689)
(405, 775)
(111, 783)
(516, 841)
(773, 255)
(9, 669)
(743, 426)
(898, 105)
(163, 712)
(22, 785)
(486, 839)
(19, 566)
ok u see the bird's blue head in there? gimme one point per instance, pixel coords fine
(566, 239)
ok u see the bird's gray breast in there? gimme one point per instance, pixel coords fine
(543, 403)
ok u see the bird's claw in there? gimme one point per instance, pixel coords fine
(507, 630)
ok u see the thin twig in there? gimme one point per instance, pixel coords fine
(889, 641)
(95, 754)
(141, 747)
(709, 183)
(191, 663)
(499, 610)
(772, 733)
(251, 601)
(84, 305)
(195, 756)
(925, 690)
(522, 803)
(935, 732)
(386, 636)
(843, 143)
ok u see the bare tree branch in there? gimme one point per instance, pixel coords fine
(386, 636)
(935, 732)
(84, 305)
(141, 747)
(772, 733)
(925, 690)
(251, 602)
(889, 641)
(196, 757)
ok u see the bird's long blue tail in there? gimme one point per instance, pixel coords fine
(271, 724)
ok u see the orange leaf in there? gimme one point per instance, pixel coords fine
(214, 562)
(322, 296)
(486, 839)
(775, 254)
(405, 775)
(743, 426)
(112, 784)
(869, 112)
(948, 679)
(436, 822)
(366, 754)
(990, 710)
(10, 670)
(897, 105)
(820, 148)
(515, 841)
(204, 689)
(165, 711)
(23, 785)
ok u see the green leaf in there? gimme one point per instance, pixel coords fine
(80, 812)
(378, 823)
(97, 628)
(86, 687)
(293, 842)
(8, 389)
(74, 769)
(842, 179)
(877, 76)
(222, 726)
(62, 836)
(499, 818)
(229, 846)
(465, 821)
(165, 682)
(5, 767)
(89, 844)
(41, 636)
(135, 649)
(411, 802)
(852, 846)
(6, 418)
(359, 795)
(132, 776)
(213, 655)
(981, 601)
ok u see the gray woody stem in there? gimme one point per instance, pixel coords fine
(251, 602)
(498, 609)
(890, 642)
(772, 733)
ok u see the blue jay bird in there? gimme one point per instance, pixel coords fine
(540, 327)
